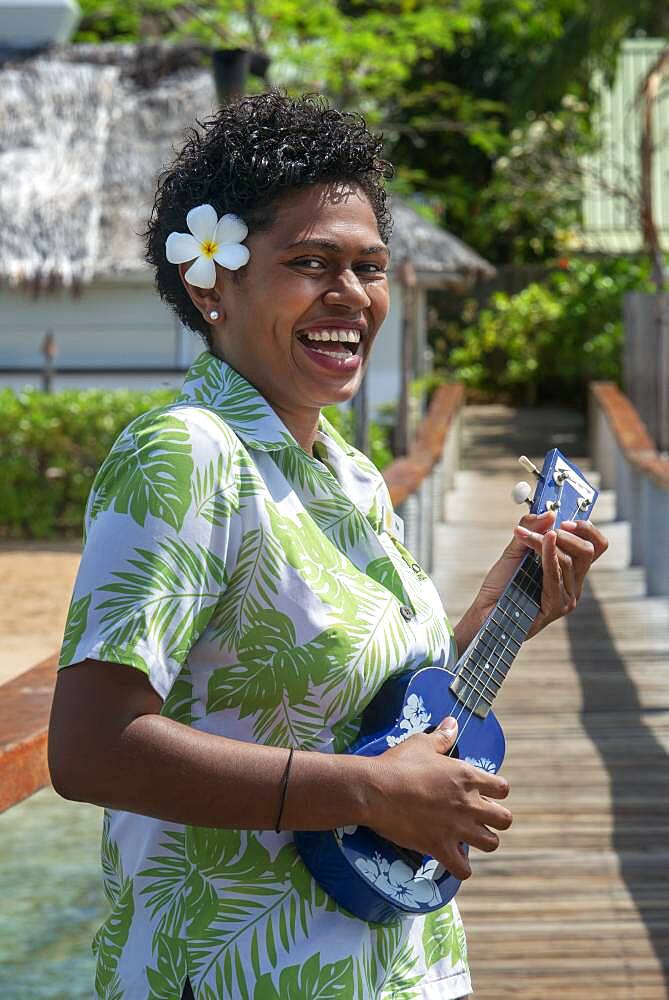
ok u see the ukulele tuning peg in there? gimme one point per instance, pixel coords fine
(521, 493)
(529, 466)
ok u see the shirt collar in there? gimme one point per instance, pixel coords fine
(211, 382)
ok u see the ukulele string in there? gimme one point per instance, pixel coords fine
(484, 673)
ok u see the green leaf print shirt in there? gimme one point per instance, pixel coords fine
(256, 587)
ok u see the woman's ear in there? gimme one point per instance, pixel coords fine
(208, 301)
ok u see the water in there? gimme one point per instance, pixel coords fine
(51, 898)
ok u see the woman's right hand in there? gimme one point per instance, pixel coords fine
(432, 803)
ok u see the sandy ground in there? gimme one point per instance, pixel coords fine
(35, 585)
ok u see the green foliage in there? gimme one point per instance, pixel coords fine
(50, 449)
(354, 51)
(553, 337)
(378, 434)
(530, 208)
(51, 446)
(460, 89)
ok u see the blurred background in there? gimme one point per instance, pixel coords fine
(530, 140)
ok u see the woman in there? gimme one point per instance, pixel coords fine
(240, 595)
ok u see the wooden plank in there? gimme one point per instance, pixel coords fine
(575, 903)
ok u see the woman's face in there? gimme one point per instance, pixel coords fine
(301, 320)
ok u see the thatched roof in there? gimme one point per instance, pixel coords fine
(436, 255)
(84, 133)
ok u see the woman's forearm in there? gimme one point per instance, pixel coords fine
(109, 744)
(161, 768)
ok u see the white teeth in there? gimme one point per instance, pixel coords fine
(343, 336)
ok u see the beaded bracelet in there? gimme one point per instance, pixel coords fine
(284, 786)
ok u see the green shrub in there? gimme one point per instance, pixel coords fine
(553, 337)
(51, 446)
(378, 435)
(50, 449)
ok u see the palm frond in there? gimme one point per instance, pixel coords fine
(148, 471)
(340, 519)
(299, 725)
(172, 590)
(298, 468)
(252, 586)
(167, 977)
(382, 644)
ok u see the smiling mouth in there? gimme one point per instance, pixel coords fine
(334, 343)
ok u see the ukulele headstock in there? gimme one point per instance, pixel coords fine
(560, 487)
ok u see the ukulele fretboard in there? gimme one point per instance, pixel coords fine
(496, 645)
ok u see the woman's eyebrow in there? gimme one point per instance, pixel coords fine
(336, 247)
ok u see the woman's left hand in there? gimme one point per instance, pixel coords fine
(566, 557)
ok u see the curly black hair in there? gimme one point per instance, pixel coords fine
(249, 155)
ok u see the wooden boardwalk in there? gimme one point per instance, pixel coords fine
(575, 904)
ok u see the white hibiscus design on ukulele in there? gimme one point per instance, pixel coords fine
(400, 882)
(344, 830)
(484, 763)
(415, 720)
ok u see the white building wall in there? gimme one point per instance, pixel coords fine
(115, 324)
(107, 325)
(383, 371)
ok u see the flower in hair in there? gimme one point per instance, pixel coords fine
(210, 239)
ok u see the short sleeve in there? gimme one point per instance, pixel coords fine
(159, 521)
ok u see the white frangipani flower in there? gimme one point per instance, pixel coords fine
(210, 239)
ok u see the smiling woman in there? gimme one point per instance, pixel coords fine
(240, 601)
(316, 277)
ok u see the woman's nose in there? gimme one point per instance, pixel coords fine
(347, 290)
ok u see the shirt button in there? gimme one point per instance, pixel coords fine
(406, 613)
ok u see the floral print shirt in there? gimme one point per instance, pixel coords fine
(260, 591)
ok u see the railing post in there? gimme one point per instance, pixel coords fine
(426, 523)
(656, 536)
(629, 504)
(619, 438)
(602, 446)
(409, 513)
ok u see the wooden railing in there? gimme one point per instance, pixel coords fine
(416, 481)
(25, 703)
(623, 452)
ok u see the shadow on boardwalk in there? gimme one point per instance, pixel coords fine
(577, 903)
(638, 768)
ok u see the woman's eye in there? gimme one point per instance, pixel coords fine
(316, 264)
(312, 263)
(373, 268)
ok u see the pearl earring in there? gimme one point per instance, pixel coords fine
(213, 315)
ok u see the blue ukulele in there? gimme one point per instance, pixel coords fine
(369, 876)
